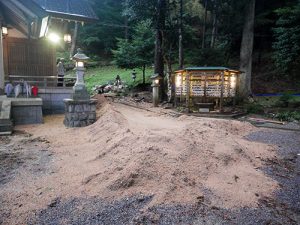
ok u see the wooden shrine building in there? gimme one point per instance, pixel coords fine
(205, 86)
(25, 52)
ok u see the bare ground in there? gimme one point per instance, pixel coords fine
(136, 166)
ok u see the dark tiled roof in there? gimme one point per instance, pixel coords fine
(69, 8)
(209, 68)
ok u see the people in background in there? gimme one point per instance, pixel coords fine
(60, 72)
(118, 80)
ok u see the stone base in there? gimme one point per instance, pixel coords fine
(80, 113)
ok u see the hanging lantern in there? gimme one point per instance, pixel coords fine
(4, 30)
(67, 38)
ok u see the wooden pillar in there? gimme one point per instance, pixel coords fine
(1, 62)
(187, 81)
(205, 88)
(222, 92)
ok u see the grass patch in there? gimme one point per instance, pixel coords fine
(105, 74)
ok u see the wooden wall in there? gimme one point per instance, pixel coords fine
(31, 59)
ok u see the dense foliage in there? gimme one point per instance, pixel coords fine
(287, 39)
(138, 51)
(211, 33)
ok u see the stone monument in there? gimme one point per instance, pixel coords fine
(80, 110)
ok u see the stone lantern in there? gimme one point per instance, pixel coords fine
(79, 90)
(155, 88)
(80, 110)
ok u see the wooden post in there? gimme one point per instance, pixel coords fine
(1, 62)
(205, 87)
(74, 39)
(222, 92)
(181, 89)
(188, 92)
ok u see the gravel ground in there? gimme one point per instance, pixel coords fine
(20, 155)
(283, 208)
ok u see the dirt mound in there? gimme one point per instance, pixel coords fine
(177, 160)
(129, 151)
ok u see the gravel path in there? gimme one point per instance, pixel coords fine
(284, 208)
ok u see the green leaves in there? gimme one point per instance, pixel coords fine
(287, 39)
(138, 51)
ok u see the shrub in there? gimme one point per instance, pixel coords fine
(285, 99)
(254, 108)
(288, 116)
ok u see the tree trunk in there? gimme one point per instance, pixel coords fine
(158, 59)
(204, 25)
(168, 60)
(180, 47)
(214, 28)
(126, 28)
(246, 51)
(74, 39)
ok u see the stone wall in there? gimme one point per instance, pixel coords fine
(27, 111)
(79, 113)
(53, 99)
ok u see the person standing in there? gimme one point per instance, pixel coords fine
(60, 73)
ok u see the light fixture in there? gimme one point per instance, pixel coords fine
(232, 81)
(79, 90)
(53, 37)
(79, 59)
(4, 30)
(178, 80)
(68, 38)
(80, 64)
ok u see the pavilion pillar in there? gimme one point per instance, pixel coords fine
(1, 62)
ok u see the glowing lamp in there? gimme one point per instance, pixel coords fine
(67, 38)
(53, 37)
(155, 88)
(79, 59)
(4, 30)
(178, 80)
(155, 79)
(232, 81)
(79, 64)
(79, 90)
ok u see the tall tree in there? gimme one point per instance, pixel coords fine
(180, 45)
(215, 22)
(287, 40)
(204, 25)
(158, 58)
(138, 51)
(247, 49)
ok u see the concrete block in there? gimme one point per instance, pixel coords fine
(78, 108)
(71, 108)
(76, 124)
(5, 109)
(86, 107)
(83, 116)
(92, 116)
(83, 124)
(93, 107)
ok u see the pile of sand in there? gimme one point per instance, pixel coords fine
(177, 160)
(183, 159)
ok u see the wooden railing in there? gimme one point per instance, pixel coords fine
(40, 81)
